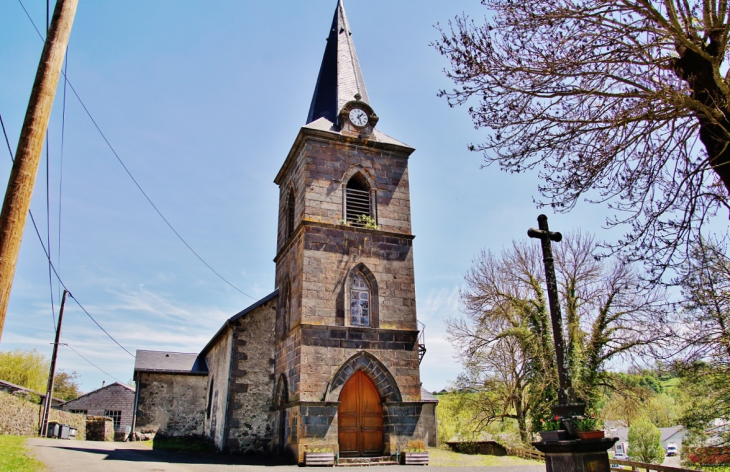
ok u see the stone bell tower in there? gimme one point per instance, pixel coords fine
(347, 351)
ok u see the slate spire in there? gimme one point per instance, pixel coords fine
(340, 77)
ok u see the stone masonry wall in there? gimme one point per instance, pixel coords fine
(331, 253)
(251, 383)
(219, 363)
(171, 404)
(293, 180)
(113, 397)
(327, 165)
(19, 417)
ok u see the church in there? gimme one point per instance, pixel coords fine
(331, 358)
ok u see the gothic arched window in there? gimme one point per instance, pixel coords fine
(290, 207)
(358, 201)
(359, 301)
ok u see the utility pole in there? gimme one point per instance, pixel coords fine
(48, 401)
(27, 157)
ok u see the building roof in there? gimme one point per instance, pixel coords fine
(105, 387)
(428, 397)
(323, 124)
(236, 317)
(12, 388)
(165, 361)
(340, 77)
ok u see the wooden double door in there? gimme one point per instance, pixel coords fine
(360, 418)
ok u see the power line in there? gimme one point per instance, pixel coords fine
(149, 200)
(87, 360)
(45, 251)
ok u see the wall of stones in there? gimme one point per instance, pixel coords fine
(19, 417)
(113, 397)
(219, 363)
(99, 428)
(251, 383)
(329, 163)
(171, 404)
(330, 253)
(320, 363)
(293, 179)
(430, 424)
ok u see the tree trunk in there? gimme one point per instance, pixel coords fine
(714, 132)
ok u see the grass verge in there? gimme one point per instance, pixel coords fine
(15, 457)
(444, 458)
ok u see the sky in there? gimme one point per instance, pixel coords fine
(202, 102)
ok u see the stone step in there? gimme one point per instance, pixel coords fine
(365, 461)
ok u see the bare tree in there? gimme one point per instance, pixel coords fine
(702, 334)
(505, 340)
(624, 102)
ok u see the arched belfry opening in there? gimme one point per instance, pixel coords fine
(360, 418)
(358, 201)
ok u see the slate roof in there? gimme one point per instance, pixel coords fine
(323, 124)
(236, 317)
(118, 384)
(170, 362)
(428, 397)
(340, 77)
(10, 387)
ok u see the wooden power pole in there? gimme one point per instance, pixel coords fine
(27, 157)
(48, 400)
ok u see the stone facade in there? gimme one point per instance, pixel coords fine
(113, 397)
(171, 404)
(316, 261)
(20, 417)
(241, 383)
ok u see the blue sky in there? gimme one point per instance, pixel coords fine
(202, 101)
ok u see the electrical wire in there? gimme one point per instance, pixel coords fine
(126, 169)
(45, 251)
(87, 360)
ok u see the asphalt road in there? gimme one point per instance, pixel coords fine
(87, 456)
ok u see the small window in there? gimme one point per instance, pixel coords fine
(79, 412)
(359, 301)
(358, 201)
(290, 207)
(116, 415)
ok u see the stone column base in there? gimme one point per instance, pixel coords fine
(576, 455)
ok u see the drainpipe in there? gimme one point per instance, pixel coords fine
(136, 402)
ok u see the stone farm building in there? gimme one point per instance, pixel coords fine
(331, 357)
(115, 401)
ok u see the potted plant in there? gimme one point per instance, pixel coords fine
(319, 456)
(586, 428)
(413, 456)
(550, 430)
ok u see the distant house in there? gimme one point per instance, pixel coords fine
(673, 434)
(22, 391)
(115, 401)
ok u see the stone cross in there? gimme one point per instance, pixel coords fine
(546, 236)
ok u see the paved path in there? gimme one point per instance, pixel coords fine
(88, 456)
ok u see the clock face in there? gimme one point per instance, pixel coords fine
(358, 117)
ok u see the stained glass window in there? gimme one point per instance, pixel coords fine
(359, 301)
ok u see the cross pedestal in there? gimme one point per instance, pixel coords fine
(576, 455)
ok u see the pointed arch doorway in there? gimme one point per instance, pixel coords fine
(360, 418)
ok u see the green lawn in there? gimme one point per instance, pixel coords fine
(14, 456)
(441, 457)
